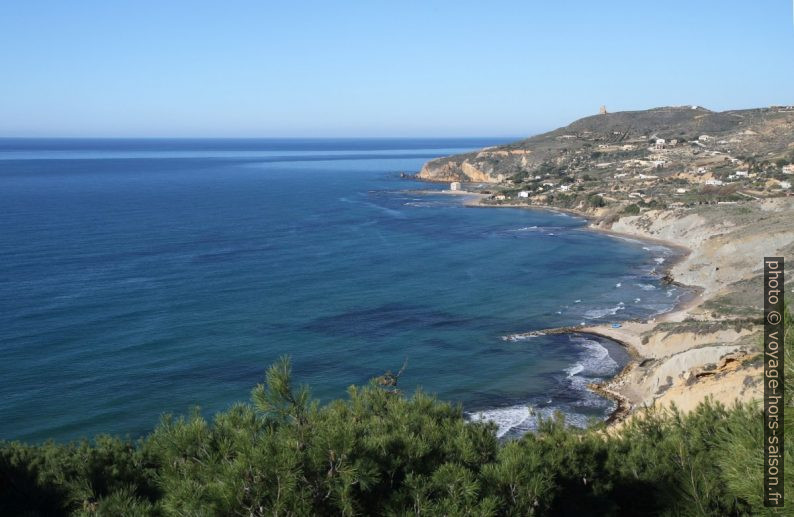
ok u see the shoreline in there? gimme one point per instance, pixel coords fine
(638, 383)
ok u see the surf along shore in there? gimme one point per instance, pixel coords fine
(708, 345)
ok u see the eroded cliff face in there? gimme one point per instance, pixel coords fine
(452, 170)
(487, 166)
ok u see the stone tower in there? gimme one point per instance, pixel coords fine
(603, 110)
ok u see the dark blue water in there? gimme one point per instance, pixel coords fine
(139, 277)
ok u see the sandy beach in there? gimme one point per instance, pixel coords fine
(707, 346)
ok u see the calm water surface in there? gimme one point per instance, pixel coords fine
(139, 277)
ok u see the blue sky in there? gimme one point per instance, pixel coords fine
(375, 68)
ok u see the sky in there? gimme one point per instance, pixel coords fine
(374, 68)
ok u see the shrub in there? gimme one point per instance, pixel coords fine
(378, 452)
(632, 209)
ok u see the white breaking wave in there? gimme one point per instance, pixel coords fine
(594, 314)
(659, 260)
(522, 337)
(646, 287)
(523, 418)
(505, 418)
(596, 361)
(627, 239)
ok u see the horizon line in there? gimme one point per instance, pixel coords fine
(396, 137)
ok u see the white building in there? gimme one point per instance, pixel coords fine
(714, 182)
(681, 191)
(788, 169)
(785, 185)
(524, 194)
(742, 174)
(660, 143)
(455, 185)
(705, 138)
(565, 188)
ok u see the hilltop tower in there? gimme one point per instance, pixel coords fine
(603, 110)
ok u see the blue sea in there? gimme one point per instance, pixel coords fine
(142, 277)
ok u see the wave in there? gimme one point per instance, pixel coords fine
(596, 361)
(646, 287)
(594, 314)
(628, 239)
(522, 337)
(423, 204)
(523, 418)
(506, 418)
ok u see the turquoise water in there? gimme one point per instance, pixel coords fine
(139, 277)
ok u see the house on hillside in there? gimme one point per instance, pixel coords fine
(660, 143)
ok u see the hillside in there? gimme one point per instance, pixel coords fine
(673, 155)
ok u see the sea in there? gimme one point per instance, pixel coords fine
(140, 277)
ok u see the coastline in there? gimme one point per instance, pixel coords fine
(669, 363)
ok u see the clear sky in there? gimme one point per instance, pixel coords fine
(376, 68)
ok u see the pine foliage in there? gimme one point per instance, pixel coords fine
(378, 452)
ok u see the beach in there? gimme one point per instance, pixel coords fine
(708, 346)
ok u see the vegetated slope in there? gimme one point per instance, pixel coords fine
(751, 132)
